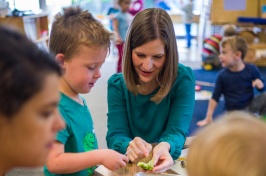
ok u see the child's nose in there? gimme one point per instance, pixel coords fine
(59, 122)
(98, 73)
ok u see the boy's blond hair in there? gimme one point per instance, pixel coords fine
(75, 27)
(237, 44)
(233, 146)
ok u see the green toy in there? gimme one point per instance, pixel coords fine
(146, 166)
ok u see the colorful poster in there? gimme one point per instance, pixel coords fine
(235, 5)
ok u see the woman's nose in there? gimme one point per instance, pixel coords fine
(148, 63)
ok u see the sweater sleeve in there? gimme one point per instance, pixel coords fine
(218, 89)
(256, 75)
(118, 134)
(181, 111)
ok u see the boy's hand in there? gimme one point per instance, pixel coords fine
(113, 160)
(112, 16)
(138, 148)
(204, 122)
(162, 158)
(119, 40)
(257, 83)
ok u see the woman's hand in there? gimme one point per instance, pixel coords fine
(137, 149)
(162, 158)
(119, 40)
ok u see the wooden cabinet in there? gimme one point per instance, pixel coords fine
(256, 54)
(34, 26)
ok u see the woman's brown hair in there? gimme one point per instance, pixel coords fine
(148, 25)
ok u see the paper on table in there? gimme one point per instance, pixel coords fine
(177, 167)
(183, 155)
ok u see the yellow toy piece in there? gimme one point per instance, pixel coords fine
(207, 67)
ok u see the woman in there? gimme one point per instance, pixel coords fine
(153, 100)
(29, 118)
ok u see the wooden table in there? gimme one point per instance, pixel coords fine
(132, 169)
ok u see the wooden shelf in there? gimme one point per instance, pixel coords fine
(34, 26)
(256, 54)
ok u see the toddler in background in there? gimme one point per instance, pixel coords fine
(121, 23)
(112, 11)
(81, 44)
(188, 19)
(234, 145)
(236, 82)
(211, 47)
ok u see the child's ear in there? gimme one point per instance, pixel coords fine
(60, 58)
(238, 54)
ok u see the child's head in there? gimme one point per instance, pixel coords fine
(233, 146)
(229, 30)
(124, 5)
(115, 4)
(233, 49)
(81, 44)
(29, 118)
(149, 25)
(74, 28)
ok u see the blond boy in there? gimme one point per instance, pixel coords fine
(81, 44)
(236, 81)
(236, 147)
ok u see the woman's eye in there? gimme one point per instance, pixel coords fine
(157, 57)
(141, 55)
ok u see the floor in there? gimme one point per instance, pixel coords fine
(97, 98)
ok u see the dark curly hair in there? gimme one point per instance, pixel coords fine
(23, 67)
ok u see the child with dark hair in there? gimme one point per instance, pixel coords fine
(29, 118)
